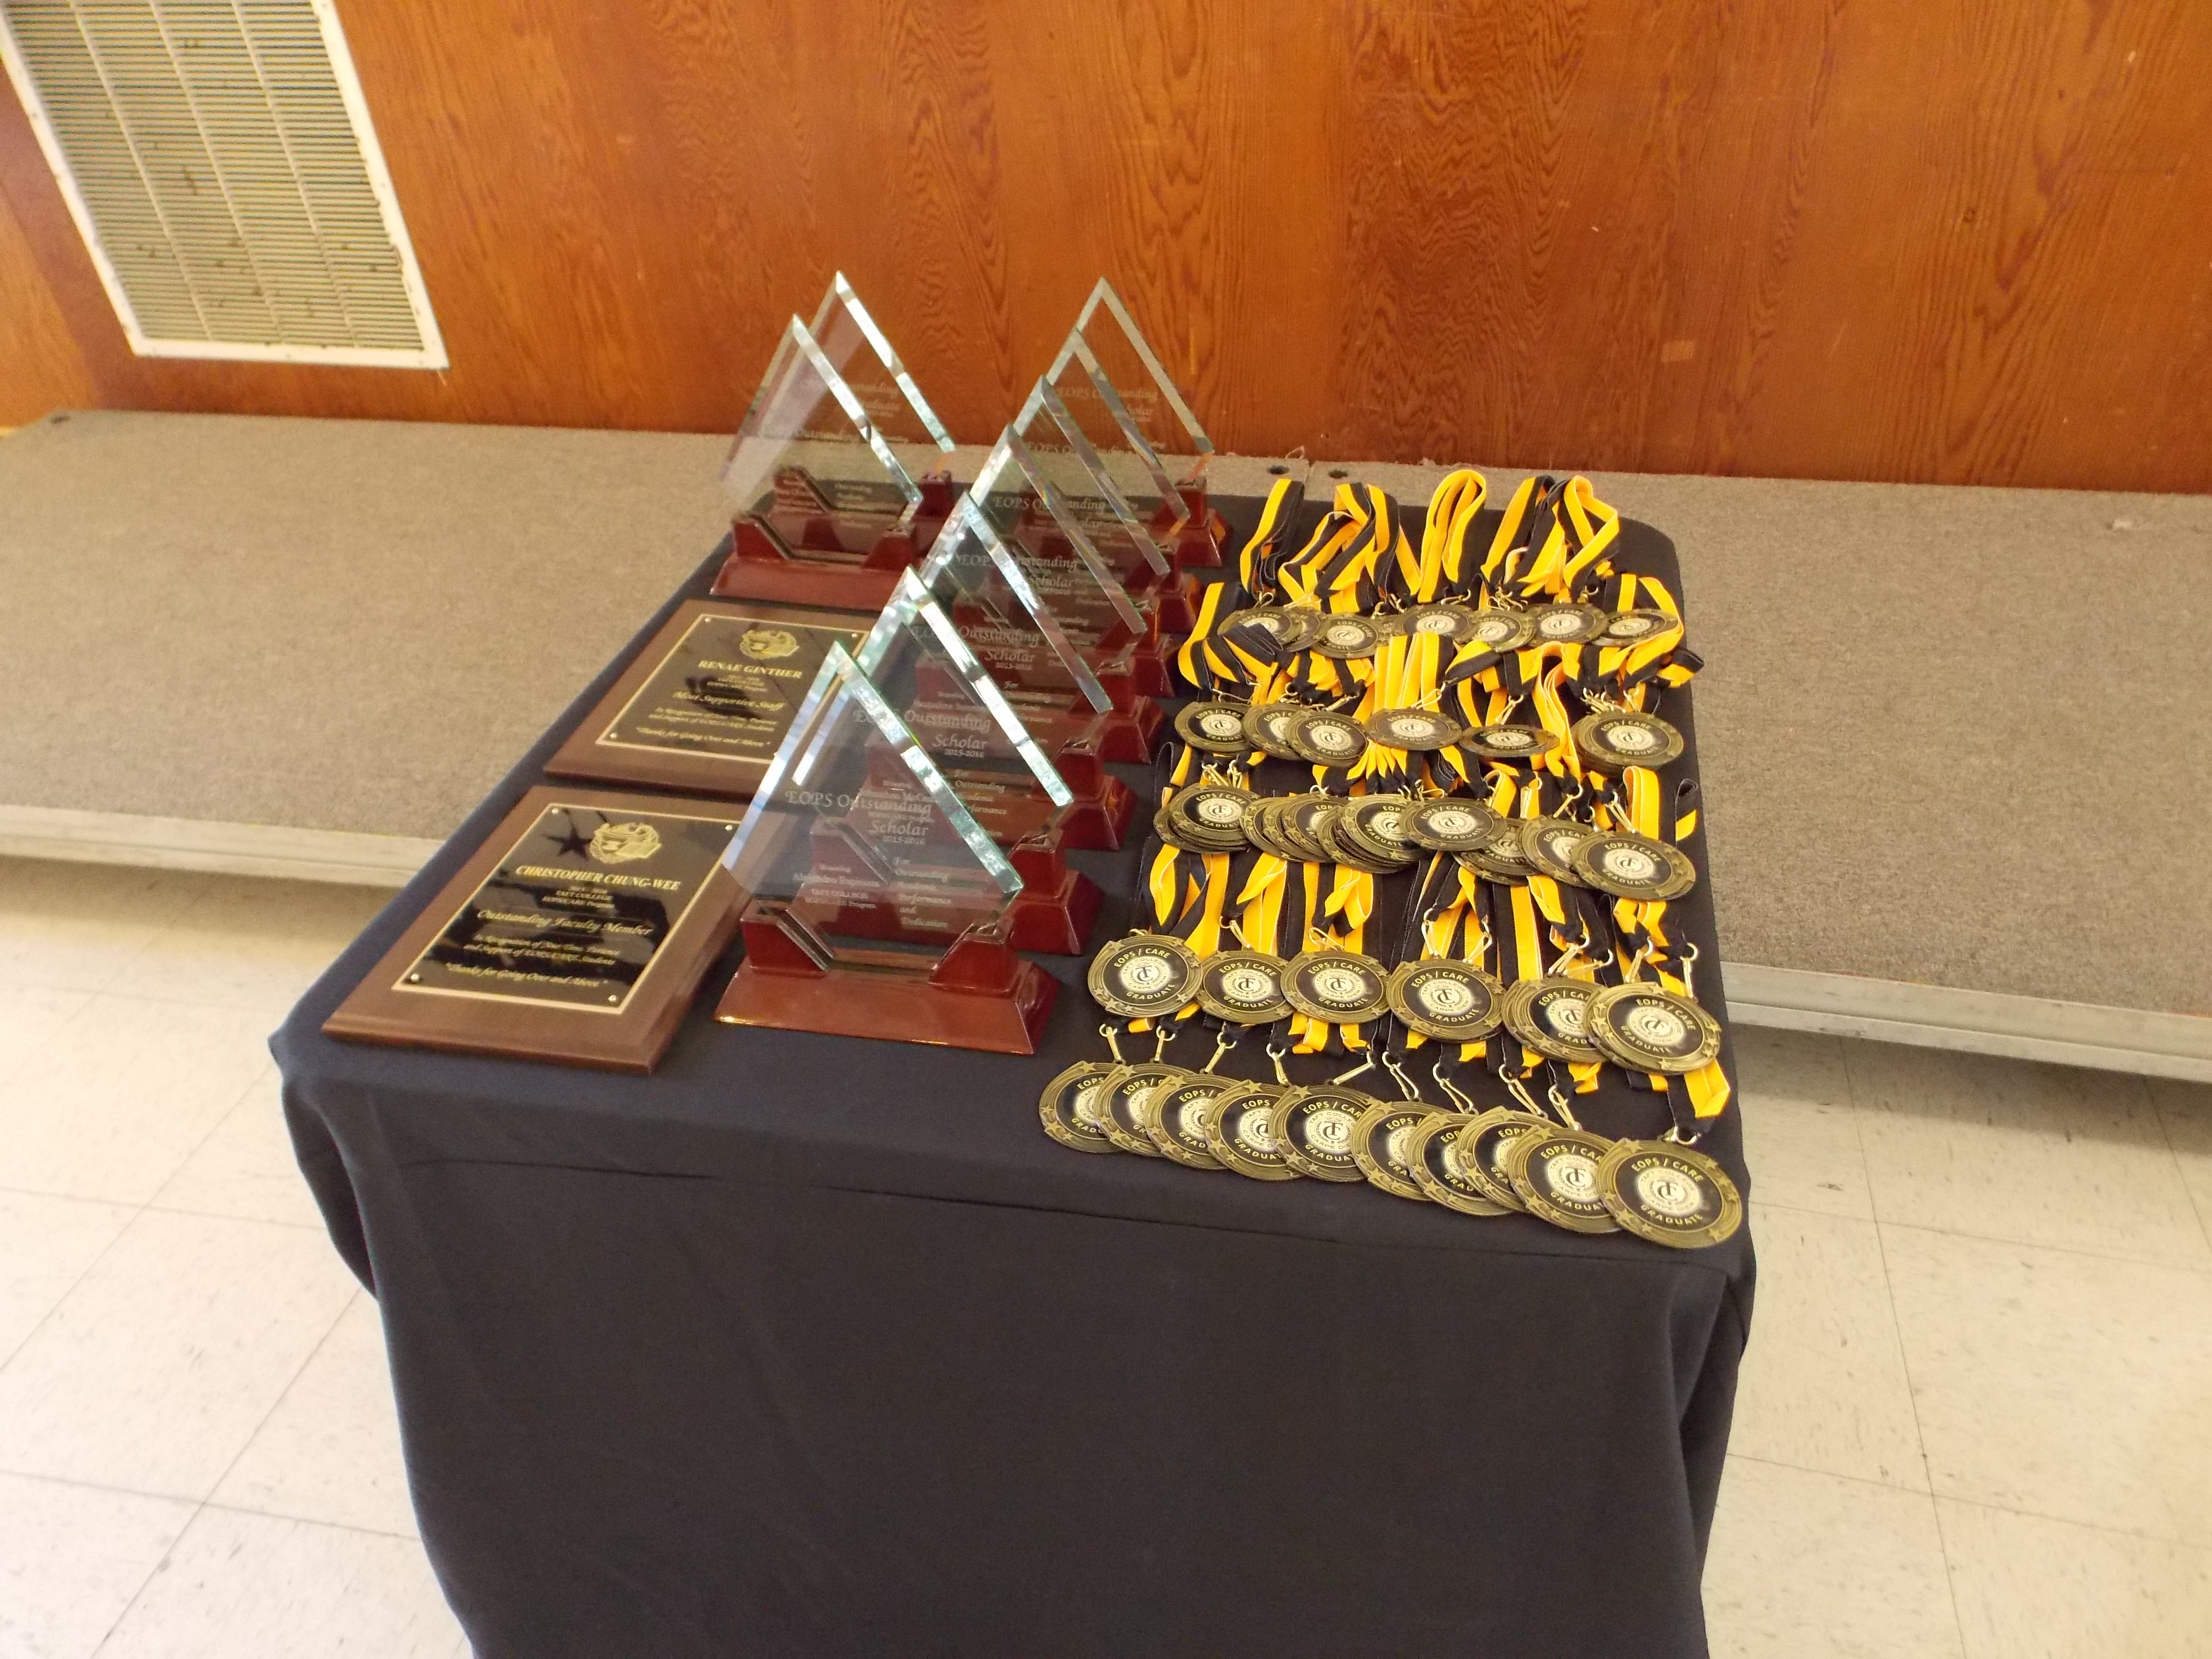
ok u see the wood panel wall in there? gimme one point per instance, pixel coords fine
(1920, 240)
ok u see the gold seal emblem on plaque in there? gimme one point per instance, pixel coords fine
(623, 843)
(769, 644)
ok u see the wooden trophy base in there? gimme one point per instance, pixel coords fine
(1057, 907)
(1198, 543)
(762, 566)
(979, 994)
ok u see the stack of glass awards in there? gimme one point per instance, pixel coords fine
(835, 477)
(879, 905)
(1150, 448)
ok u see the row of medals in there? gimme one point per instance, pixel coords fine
(1490, 1163)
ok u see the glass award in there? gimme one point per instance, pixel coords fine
(878, 906)
(1152, 447)
(1108, 600)
(863, 356)
(921, 666)
(1079, 701)
(826, 512)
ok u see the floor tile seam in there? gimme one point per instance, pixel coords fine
(1758, 1203)
(1950, 1575)
(45, 1479)
(213, 1130)
(2158, 1111)
(1833, 1474)
(225, 1215)
(284, 1394)
(310, 1521)
(161, 1565)
(2203, 1271)
(221, 1005)
(61, 1301)
(2130, 1533)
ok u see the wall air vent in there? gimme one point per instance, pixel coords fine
(218, 157)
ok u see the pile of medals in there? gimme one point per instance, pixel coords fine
(1416, 819)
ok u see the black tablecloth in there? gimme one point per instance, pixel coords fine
(811, 1345)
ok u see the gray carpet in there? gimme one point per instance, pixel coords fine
(1954, 736)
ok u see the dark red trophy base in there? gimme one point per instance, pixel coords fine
(1203, 534)
(1057, 907)
(760, 566)
(979, 994)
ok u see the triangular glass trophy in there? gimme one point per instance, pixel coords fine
(1081, 704)
(1114, 385)
(825, 512)
(1105, 596)
(941, 691)
(878, 905)
(864, 357)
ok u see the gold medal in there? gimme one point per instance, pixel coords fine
(1453, 824)
(1326, 738)
(1508, 743)
(1289, 626)
(1432, 1151)
(1299, 821)
(1417, 730)
(1070, 1106)
(1613, 740)
(1376, 823)
(1549, 846)
(1566, 624)
(1634, 866)
(1144, 976)
(1244, 987)
(1338, 988)
(1551, 1016)
(1174, 1118)
(1238, 1134)
(1125, 1097)
(1210, 816)
(1214, 727)
(1634, 627)
(1268, 728)
(1484, 1146)
(1502, 860)
(1554, 1171)
(1501, 630)
(1670, 1193)
(1312, 1129)
(1381, 1145)
(1449, 1001)
(1347, 637)
(1648, 1028)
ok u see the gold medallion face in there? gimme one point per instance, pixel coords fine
(1549, 846)
(1144, 976)
(1635, 627)
(1126, 1097)
(1452, 623)
(1174, 1118)
(1432, 1151)
(1071, 1108)
(1648, 1028)
(1484, 1146)
(1551, 1016)
(1634, 866)
(1670, 1194)
(1377, 825)
(1503, 861)
(1244, 987)
(1381, 1142)
(1213, 728)
(1566, 624)
(1453, 824)
(1327, 739)
(1612, 740)
(1313, 1129)
(1268, 728)
(1238, 1133)
(1501, 630)
(1347, 637)
(1208, 817)
(1415, 729)
(1509, 742)
(1339, 988)
(1287, 629)
(1449, 1001)
(1555, 1173)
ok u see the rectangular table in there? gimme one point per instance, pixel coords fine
(808, 1346)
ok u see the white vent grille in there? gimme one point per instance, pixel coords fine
(219, 159)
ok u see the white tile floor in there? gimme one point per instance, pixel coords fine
(1976, 1419)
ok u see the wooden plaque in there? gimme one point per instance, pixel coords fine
(577, 934)
(706, 704)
